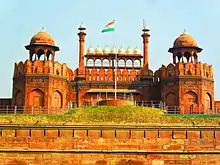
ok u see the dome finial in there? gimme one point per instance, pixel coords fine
(145, 28)
(184, 31)
(82, 27)
(42, 29)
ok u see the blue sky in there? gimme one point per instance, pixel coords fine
(21, 19)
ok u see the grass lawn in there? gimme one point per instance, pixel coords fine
(113, 115)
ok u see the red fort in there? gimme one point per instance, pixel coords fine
(41, 81)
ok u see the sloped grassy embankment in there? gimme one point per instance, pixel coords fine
(113, 115)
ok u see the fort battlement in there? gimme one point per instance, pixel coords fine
(185, 69)
(38, 67)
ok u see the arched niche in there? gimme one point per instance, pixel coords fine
(57, 99)
(129, 63)
(98, 62)
(121, 62)
(170, 99)
(19, 98)
(36, 98)
(191, 97)
(208, 101)
(137, 63)
(90, 62)
(105, 62)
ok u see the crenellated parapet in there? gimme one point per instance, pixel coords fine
(108, 75)
(38, 67)
(185, 69)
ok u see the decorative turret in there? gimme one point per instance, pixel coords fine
(106, 50)
(137, 51)
(90, 50)
(42, 44)
(185, 49)
(121, 51)
(114, 50)
(129, 51)
(98, 50)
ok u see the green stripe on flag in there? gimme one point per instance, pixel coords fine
(108, 30)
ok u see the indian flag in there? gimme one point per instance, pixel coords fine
(109, 27)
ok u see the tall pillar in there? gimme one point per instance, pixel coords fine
(145, 37)
(81, 34)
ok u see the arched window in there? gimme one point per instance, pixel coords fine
(40, 54)
(179, 56)
(105, 62)
(90, 62)
(49, 55)
(98, 62)
(187, 55)
(137, 63)
(129, 63)
(121, 62)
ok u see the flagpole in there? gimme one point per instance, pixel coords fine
(115, 65)
(109, 28)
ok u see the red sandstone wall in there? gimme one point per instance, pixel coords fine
(217, 106)
(106, 146)
(5, 102)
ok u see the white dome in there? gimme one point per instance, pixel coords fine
(121, 51)
(137, 51)
(114, 50)
(90, 50)
(106, 50)
(129, 51)
(98, 50)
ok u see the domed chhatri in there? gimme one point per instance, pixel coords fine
(185, 41)
(98, 50)
(90, 50)
(121, 51)
(114, 50)
(42, 38)
(137, 51)
(106, 50)
(129, 51)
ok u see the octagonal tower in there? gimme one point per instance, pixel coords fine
(186, 82)
(40, 83)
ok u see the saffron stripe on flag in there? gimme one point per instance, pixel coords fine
(110, 23)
